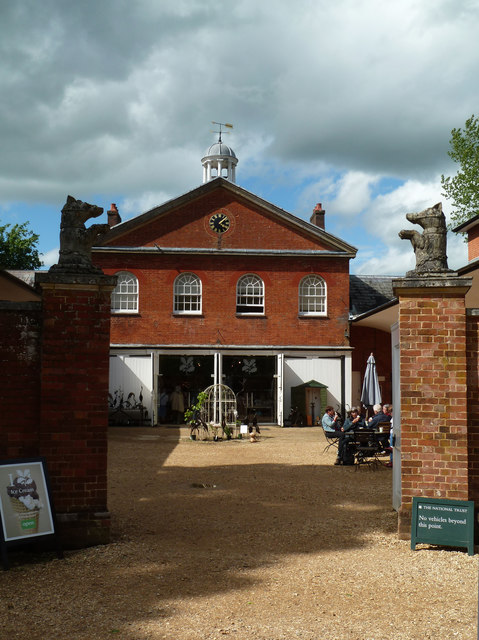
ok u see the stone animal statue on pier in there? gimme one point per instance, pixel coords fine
(76, 240)
(430, 245)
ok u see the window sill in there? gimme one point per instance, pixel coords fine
(306, 316)
(125, 313)
(251, 315)
(188, 314)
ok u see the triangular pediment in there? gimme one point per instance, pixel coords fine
(248, 223)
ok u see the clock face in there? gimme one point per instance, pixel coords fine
(219, 222)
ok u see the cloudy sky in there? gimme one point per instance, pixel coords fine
(348, 103)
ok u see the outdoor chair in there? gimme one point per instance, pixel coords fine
(367, 448)
(385, 426)
(383, 435)
(332, 440)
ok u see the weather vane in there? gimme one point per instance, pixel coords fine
(221, 124)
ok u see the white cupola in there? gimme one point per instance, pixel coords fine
(219, 160)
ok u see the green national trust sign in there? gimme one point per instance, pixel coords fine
(443, 522)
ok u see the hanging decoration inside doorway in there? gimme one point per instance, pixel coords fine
(186, 364)
(249, 365)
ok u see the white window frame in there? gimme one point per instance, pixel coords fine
(250, 295)
(312, 296)
(124, 297)
(187, 295)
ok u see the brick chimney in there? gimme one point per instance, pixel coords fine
(317, 217)
(113, 216)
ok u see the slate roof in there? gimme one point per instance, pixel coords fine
(28, 277)
(369, 292)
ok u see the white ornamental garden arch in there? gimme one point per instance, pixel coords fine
(219, 407)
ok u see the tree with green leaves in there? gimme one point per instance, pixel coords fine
(463, 188)
(18, 247)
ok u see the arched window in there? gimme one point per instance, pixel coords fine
(312, 296)
(250, 294)
(124, 298)
(187, 294)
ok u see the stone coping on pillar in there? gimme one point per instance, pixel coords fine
(53, 279)
(444, 284)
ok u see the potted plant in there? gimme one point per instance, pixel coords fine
(214, 426)
(238, 428)
(193, 415)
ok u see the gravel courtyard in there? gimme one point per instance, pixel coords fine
(256, 541)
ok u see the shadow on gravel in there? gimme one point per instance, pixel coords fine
(136, 436)
(192, 531)
(204, 530)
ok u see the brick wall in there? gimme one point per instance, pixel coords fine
(251, 226)
(54, 398)
(434, 439)
(472, 343)
(20, 325)
(74, 410)
(218, 322)
(473, 243)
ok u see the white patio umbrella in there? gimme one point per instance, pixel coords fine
(371, 393)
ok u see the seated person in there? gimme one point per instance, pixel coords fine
(388, 410)
(379, 416)
(330, 423)
(354, 421)
(373, 423)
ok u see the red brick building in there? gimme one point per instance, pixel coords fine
(219, 285)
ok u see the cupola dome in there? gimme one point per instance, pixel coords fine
(220, 149)
(219, 161)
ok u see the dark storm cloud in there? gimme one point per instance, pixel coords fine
(118, 96)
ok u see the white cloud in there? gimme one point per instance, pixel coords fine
(131, 207)
(397, 260)
(390, 261)
(353, 193)
(386, 216)
(50, 257)
(456, 251)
